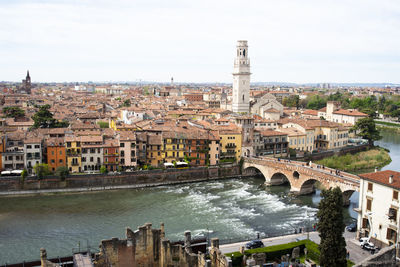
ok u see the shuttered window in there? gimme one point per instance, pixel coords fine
(395, 195)
(369, 204)
(370, 186)
(391, 234)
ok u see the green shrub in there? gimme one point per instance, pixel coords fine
(103, 124)
(275, 252)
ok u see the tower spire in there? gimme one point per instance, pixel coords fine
(241, 79)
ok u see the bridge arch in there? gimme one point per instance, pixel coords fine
(252, 170)
(279, 178)
(308, 187)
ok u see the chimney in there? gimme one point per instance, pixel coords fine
(390, 179)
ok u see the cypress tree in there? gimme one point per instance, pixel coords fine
(331, 228)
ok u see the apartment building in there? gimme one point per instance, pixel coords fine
(74, 153)
(13, 155)
(92, 152)
(55, 153)
(111, 154)
(127, 148)
(378, 212)
(33, 152)
(270, 143)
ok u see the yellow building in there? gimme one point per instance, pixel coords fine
(231, 143)
(74, 154)
(174, 146)
(154, 151)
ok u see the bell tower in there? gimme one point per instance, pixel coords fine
(241, 79)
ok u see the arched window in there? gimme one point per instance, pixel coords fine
(244, 52)
(243, 98)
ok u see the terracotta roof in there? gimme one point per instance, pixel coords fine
(382, 177)
(310, 112)
(272, 110)
(350, 112)
(271, 133)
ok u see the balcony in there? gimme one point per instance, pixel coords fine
(111, 154)
(75, 164)
(230, 146)
(33, 157)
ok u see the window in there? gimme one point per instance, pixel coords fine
(61, 161)
(122, 145)
(365, 223)
(392, 214)
(370, 186)
(52, 152)
(391, 234)
(395, 195)
(37, 146)
(369, 204)
(52, 161)
(28, 146)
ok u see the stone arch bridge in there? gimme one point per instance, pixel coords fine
(301, 176)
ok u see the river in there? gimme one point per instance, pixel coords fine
(391, 140)
(228, 209)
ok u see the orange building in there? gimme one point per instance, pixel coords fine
(111, 155)
(56, 155)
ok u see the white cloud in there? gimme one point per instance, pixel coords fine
(295, 41)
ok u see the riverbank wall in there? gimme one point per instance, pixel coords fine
(96, 182)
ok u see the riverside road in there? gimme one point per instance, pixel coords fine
(356, 253)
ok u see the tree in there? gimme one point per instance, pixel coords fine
(13, 112)
(331, 228)
(291, 101)
(103, 169)
(127, 103)
(316, 102)
(43, 118)
(366, 129)
(62, 172)
(41, 170)
(24, 174)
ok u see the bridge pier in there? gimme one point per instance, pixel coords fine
(346, 197)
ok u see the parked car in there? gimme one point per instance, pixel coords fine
(254, 244)
(367, 245)
(351, 227)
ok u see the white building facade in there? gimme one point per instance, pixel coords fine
(378, 212)
(241, 79)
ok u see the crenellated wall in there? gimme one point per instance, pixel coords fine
(147, 247)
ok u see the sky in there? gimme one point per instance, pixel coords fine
(300, 41)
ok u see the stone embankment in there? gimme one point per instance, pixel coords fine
(83, 183)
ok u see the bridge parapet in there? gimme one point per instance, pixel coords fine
(304, 168)
(302, 176)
